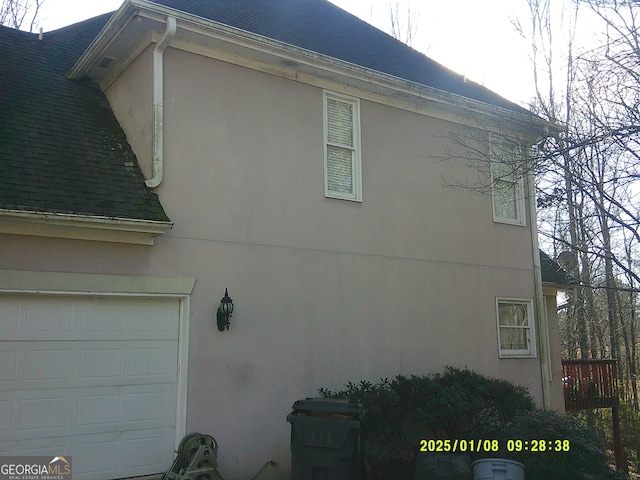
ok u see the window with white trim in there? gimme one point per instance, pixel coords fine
(507, 186)
(515, 328)
(342, 167)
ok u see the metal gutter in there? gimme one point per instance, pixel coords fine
(85, 227)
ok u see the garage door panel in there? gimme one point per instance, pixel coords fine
(141, 452)
(6, 416)
(103, 454)
(47, 315)
(52, 413)
(44, 317)
(47, 364)
(29, 365)
(8, 361)
(96, 409)
(91, 377)
(37, 416)
(116, 455)
(10, 314)
(152, 362)
(41, 447)
(102, 363)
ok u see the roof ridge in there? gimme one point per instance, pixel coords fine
(102, 18)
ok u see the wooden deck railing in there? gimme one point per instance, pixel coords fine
(589, 384)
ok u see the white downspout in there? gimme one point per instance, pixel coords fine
(541, 311)
(158, 109)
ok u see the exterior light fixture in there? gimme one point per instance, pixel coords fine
(224, 311)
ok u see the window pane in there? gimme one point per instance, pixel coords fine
(505, 162)
(504, 199)
(513, 338)
(513, 314)
(340, 122)
(339, 169)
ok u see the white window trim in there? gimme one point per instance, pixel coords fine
(531, 337)
(356, 195)
(518, 182)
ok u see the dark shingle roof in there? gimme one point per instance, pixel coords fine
(63, 151)
(61, 148)
(322, 27)
(552, 272)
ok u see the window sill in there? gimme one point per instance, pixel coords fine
(506, 356)
(348, 199)
(508, 221)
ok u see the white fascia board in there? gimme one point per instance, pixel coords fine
(552, 289)
(112, 28)
(43, 282)
(283, 55)
(81, 227)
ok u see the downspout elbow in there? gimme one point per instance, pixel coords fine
(158, 107)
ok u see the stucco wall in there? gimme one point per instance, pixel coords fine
(134, 98)
(326, 291)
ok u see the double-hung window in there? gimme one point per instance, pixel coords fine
(507, 186)
(515, 328)
(342, 167)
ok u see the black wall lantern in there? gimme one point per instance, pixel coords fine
(224, 311)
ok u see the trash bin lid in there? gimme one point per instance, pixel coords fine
(332, 405)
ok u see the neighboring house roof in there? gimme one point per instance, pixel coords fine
(553, 273)
(62, 150)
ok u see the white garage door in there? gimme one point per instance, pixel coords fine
(90, 377)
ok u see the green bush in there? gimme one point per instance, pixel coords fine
(387, 451)
(454, 404)
(465, 405)
(584, 460)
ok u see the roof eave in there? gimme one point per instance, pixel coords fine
(116, 23)
(81, 227)
(296, 57)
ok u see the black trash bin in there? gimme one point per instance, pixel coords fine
(326, 440)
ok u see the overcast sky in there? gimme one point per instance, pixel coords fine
(474, 38)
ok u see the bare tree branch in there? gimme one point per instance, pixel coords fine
(403, 26)
(19, 13)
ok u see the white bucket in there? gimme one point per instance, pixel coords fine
(497, 469)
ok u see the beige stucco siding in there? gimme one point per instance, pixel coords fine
(268, 165)
(326, 291)
(133, 96)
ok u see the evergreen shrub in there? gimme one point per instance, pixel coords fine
(465, 405)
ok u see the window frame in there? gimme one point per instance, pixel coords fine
(510, 176)
(356, 160)
(529, 329)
